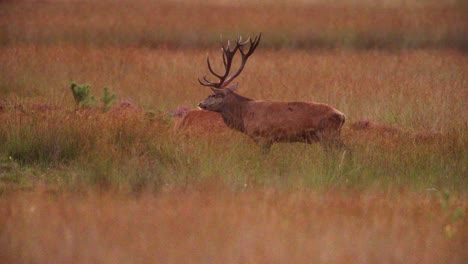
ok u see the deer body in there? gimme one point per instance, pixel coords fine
(290, 122)
(267, 122)
(200, 121)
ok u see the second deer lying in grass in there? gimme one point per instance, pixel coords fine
(199, 122)
(267, 122)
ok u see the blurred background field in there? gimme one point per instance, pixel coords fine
(85, 184)
(188, 24)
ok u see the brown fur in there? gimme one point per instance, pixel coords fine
(267, 122)
(370, 129)
(380, 129)
(201, 121)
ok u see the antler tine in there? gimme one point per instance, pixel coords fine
(227, 61)
(230, 53)
(210, 68)
(256, 41)
(228, 56)
(253, 45)
(206, 82)
(239, 41)
(227, 48)
(224, 60)
(240, 45)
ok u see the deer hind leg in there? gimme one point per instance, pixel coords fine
(329, 133)
(266, 147)
(264, 144)
(330, 139)
(311, 137)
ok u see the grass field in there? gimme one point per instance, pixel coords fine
(209, 224)
(120, 185)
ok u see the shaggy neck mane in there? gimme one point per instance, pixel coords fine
(232, 111)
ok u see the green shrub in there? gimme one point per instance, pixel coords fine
(85, 99)
(82, 95)
(107, 99)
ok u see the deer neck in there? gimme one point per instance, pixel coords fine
(233, 111)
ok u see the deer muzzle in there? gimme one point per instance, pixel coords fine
(201, 106)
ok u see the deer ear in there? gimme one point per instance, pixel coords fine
(232, 87)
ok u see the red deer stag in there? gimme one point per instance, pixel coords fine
(267, 122)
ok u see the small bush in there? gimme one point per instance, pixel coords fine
(82, 95)
(107, 100)
(85, 99)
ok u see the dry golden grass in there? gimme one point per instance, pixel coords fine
(413, 92)
(209, 224)
(416, 90)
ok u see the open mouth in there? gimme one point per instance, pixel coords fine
(201, 106)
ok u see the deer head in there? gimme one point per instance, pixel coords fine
(222, 88)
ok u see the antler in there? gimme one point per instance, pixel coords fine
(228, 56)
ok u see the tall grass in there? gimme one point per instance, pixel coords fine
(416, 90)
(414, 95)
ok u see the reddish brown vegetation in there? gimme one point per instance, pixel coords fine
(215, 225)
(2, 105)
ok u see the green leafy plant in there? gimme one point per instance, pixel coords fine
(151, 114)
(82, 95)
(85, 99)
(107, 99)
